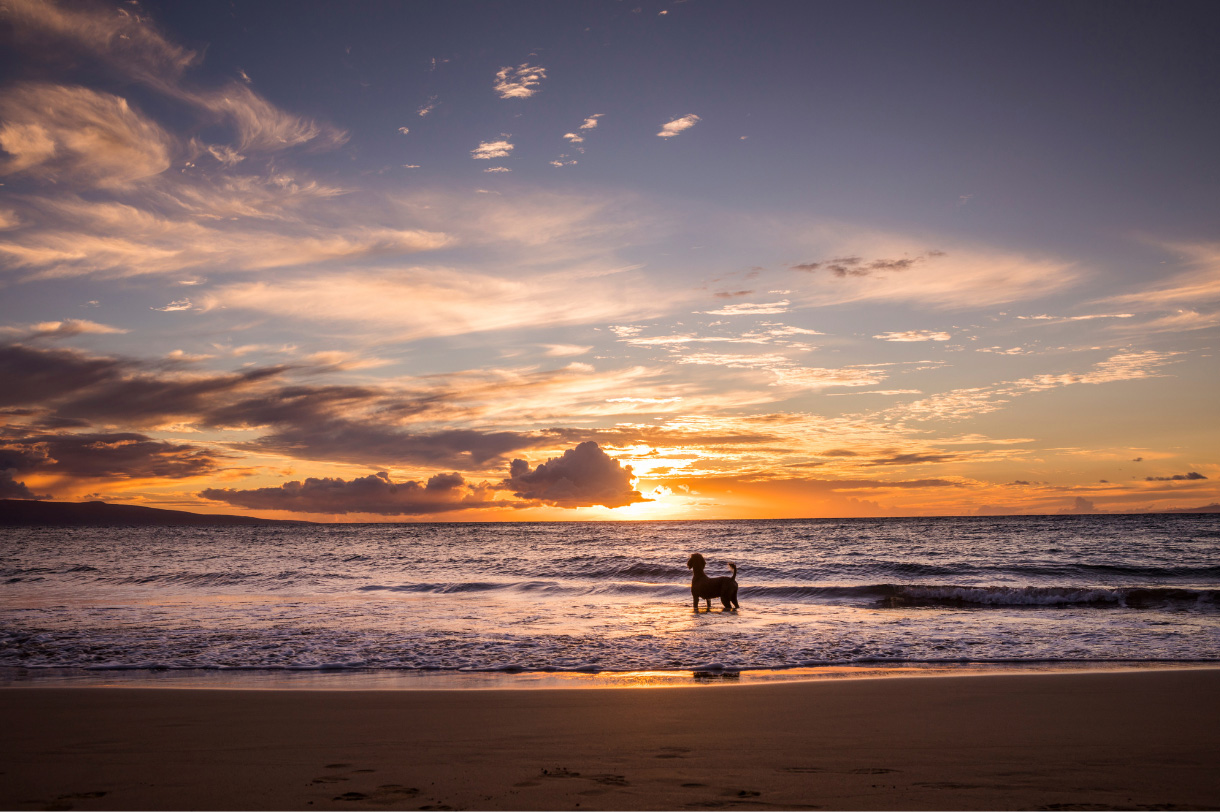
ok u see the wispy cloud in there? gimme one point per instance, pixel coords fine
(79, 137)
(1200, 283)
(591, 122)
(520, 82)
(962, 403)
(68, 328)
(678, 125)
(915, 335)
(751, 309)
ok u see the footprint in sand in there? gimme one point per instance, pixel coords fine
(559, 772)
(611, 780)
(384, 794)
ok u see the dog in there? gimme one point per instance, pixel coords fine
(704, 588)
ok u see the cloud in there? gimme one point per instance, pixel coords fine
(127, 42)
(962, 403)
(915, 335)
(573, 138)
(119, 455)
(40, 375)
(961, 277)
(486, 150)
(175, 305)
(261, 126)
(422, 303)
(1201, 283)
(68, 328)
(786, 372)
(914, 459)
(12, 489)
(560, 162)
(125, 39)
(751, 309)
(404, 130)
(497, 169)
(820, 378)
(427, 107)
(855, 266)
(78, 136)
(590, 123)
(678, 125)
(77, 237)
(1188, 477)
(1081, 505)
(566, 350)
(520, 82)
(376, 494)
(584, 476)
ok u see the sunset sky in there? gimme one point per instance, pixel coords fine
(469, 260)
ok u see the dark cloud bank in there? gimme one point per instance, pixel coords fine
(583, 476)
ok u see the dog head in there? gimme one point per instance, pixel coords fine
(696, 562)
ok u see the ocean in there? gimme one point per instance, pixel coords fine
(610, 597)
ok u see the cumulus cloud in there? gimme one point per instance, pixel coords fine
(591, 122)
(915, 335)
(486, 150)
(520, 82)
(1081, 505)
(584, 476)
(12, 489)
(1192, 476)
(376, 493)
(678, 125)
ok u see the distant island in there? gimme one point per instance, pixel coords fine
(35, 513)
(32, 513)
(1214, 507)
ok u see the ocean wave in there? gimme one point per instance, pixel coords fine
(1126, 597)
(875, 595)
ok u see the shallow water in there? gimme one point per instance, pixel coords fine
(598, 597)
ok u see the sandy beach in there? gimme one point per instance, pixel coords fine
(1131, 740)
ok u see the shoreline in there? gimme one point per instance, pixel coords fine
(1147, 738)
(324, 679)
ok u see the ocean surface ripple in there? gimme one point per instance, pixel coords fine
(612, 596)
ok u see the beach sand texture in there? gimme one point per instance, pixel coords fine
(1134, 740)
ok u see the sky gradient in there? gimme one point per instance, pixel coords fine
(610, 260)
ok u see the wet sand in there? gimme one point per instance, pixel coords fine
(1130, 740)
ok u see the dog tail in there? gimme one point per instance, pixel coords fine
(733, 567)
